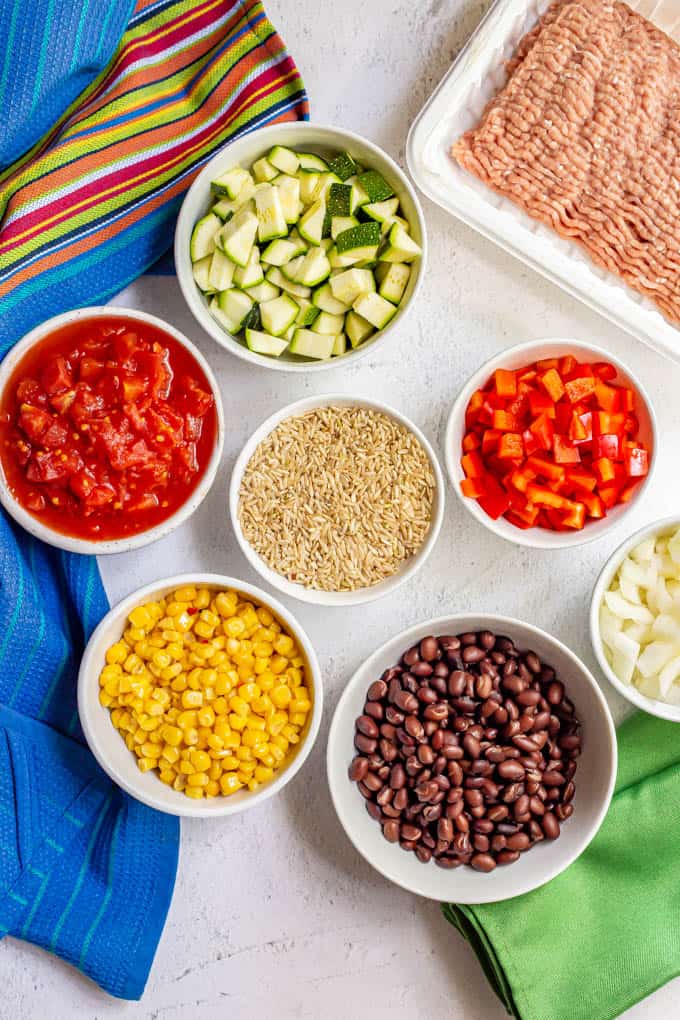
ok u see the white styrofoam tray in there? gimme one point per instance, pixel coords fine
(475, 77)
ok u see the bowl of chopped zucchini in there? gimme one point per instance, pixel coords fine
(300, 247)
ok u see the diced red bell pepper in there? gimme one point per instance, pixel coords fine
(586, 420)
(627, 399)
(490, 441)
(545, 468)
(579, 389)
(581, 479)
(546, 364)
(540, 496)
(593, 504)
(527, 375)
(607, 445)
(473, 408)
(531, 442)
(552, 384)
(575, 517)
(540, 403)
(505, 382)
(511, 446)
(505, 421)
(471, 442)
(542, 429)
(526, 514)
(628, 491)
(562, 420)
(494, 500)
(472, 464)
(636, 461)
(564, 451)
(520, 479)
(631, 425)
(577, 430)
(608, 397)
(603, 370)
(609, 494)
(472, 487)
(567, 365)
(583, 371)
(604, 469)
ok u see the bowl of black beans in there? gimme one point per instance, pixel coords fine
(472, 758)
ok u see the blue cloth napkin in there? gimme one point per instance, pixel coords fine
(86, 872)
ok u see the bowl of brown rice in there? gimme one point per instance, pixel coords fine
(337, 500)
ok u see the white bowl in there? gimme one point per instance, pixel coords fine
(81, 545)
(657, 529)
(107, 744)
(594, 779)
(517, 357)
(314, 595)
(244, 151)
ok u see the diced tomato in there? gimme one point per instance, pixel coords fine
(579, 389)
(34, 421)
(90, 369)
(30, 392)
(552, 384)
(56, 375)
(565, 452)
(505, 382)
(55, 436)
(133, 389)
(85, 405)
(61, 402)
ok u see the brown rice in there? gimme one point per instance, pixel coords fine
(337, 498)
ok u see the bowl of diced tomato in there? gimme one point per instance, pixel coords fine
(550, 442)
(111, 430)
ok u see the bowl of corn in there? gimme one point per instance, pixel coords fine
(200, 695)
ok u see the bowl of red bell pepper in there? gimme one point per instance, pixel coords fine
(550, 442)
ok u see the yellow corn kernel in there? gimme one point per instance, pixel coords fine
(239, 706)
(194, 678)
(243, 754)
(172, 671)
(220, 706)
(153, 708)
(212, 789)
(298, 719)
(266, 681)
(261, 705)
(232, 740)
(294, 676)
(253, 785)
(187, 720)
(254, 722)
(281, 696)
(284, 645)
(200, 760)
(269, 760)
(203, 630)
(184, 622)
(105, 699)
(197, 779)
(170, 754)
(117, 653)
(253, 738)
(185, 594)
(148, 723)
(206, 716)
(263, 774)
(186, 768)
(151, 750)
(179, 684)
(276, 753)
(190, 737)
(161, 659)
(234, 627)
(280, 741)
(195, 792)
(192, 699)
(172, 735)
(262, 649)
(229, 763)
(215, 743)
(130, 741)
(167, 776)
(146, 764)
(141, 617)
(276, 723)
(230, 783)
(278, 663)
(249, 691)
(245, 770)
(291, 734)
(220, 658)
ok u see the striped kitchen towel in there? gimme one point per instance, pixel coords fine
(110, 107)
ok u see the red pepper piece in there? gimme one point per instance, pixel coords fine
(636, 462)
(505, 421)
(575, 517)
(579, 389)
(520, 479)
(567, 365)
(505, 382)
(564, 451)
(608, 397)
(552, 384)
(580, 478)
(473, 408)
(628, 491)
(609, 494)
(472, 464)
(540, 496)
(603, 370)
(545, 468)
(471, 442)
(546, 364)
(490, 441)
(495, 499)
(593, 504)
(631, 425)
(607, 445)
(627, 399)
(511, 446)
(542, 429)
(531, 442)
(541, 403)
(604, 469)
(586, 421)
(577, 430)
(583, 371)
(527, 375)
(472, 487)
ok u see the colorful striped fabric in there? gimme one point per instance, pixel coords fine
(92, 204)
(85, 871)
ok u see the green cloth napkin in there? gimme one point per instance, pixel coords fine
(606, 932)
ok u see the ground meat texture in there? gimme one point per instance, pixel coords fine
(585, 137)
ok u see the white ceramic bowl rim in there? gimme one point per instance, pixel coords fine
(662, 709)
(340, 753)
(327, 137)
(540, 538)
(101, 735)
(312, 595)
(81, 545)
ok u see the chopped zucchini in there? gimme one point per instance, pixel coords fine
(310, 225)
(221, 271)
(366, 235)
(309, 163)
(382, 211)
(340, 199)
(281, 251)
(278, 314)
(358, 329)
(264, 291)
(341, 223)
(289, 193)
(252, 274)
(401, 247)
(227, 207)
(237, 237)
(270, 218)
(376, 309)
(393, 283)
(312, 270)
(359, 195)
(340, 262)
(201, 271)
(284, 159)
(312, 345)
(339, 345)
(308, 185)
(235, 306)
(225, 322)
(275, 276)
(375, 186)
(323, 298)
(203, 237)
(264, 171)
(224, 209)
(343, 165)
(347, 286)
(307, 313)
(231, 183)
(327, 323)
(253, 319)
(264, 343)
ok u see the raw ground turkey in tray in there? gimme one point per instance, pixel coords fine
(585, 137)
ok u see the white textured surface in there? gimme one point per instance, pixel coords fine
(274, 914)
